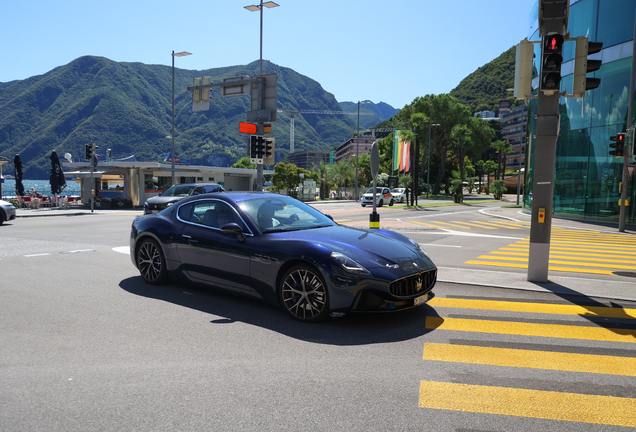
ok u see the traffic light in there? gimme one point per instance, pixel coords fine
(89, 151)
(551, 59)
(257, 149)
(94, 154)
(205, 93)
(197, 95)
(618, 145)
(268, 154)
(523, 69)
(582, 65)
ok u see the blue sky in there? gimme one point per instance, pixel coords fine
(389, 51)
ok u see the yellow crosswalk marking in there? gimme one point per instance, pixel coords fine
(550, 405)
(557, 261)
(507, 357)
(543, 308)
(554, 268)
(470, 225)
(532, 329)
(440, 225)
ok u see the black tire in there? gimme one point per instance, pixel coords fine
(303, 294)
(2, 217)
(364, 205)
(392, 202)
(381, 203)
(151, 262)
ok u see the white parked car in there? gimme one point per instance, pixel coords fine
(382, 196)
(399, 194)
(7, 211)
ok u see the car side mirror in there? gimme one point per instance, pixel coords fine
(330, 217)
(233, 229)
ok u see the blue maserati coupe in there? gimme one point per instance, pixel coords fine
(284, 251)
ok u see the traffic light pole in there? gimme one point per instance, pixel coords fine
(543, 186)
(552, 23)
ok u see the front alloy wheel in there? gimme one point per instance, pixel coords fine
(151, 263)
(303, 294)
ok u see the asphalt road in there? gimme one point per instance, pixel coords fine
(87, 345)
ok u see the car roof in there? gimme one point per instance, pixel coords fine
(235, 196)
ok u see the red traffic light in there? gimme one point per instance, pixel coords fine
(553, 43)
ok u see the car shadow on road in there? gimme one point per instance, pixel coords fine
(227, 308)
(616, 320)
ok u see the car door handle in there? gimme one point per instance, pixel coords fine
(189, 239)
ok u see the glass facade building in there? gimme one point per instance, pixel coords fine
(587, 178)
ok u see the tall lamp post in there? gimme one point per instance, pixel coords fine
(179, 54)
(254, 8)
(358, 144)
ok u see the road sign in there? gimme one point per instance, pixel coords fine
(375, 161)
(630, 171)
(235, 86)
(247, 128)
(265, 112)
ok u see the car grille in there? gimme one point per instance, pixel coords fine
(414, 284)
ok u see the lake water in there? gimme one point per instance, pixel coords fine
(43, 187)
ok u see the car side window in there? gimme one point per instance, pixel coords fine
(185, 212)
(198, 190)
(214, 188)
(215, 214)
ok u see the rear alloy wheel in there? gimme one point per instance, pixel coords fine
(392, 202)
(381, 203)
(303, 294)
(151, 263)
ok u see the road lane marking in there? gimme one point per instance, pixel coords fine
(122, 249)
(521, 358)
(542, 308)
(558, 261)
(549, 405)
(36, 255)
(531, 329)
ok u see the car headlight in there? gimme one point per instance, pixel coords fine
(418, 247)
(349, 264)
(169, 204)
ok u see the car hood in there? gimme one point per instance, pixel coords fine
(370, 248)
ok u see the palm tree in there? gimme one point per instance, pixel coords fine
(322, 174)
(503, 147)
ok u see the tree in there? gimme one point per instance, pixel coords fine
(244, 163)
(489, 167)
(479, 166)
(503, 148)
(321, 173)
(343, 172)
(287, 176)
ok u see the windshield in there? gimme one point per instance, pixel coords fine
(178, 191)
(378, 190)
(283, 214)
(397, 190)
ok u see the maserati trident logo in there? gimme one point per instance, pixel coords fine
(418, 283)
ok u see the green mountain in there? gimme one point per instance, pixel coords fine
(127, 107)
(486, 87)
(370, 114)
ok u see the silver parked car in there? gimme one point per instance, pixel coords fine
(399, 194)
(7, 211)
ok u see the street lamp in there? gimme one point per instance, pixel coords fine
(179, 54)
(259, 7)
(428, 161)
(358, 143)
(254, 8)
